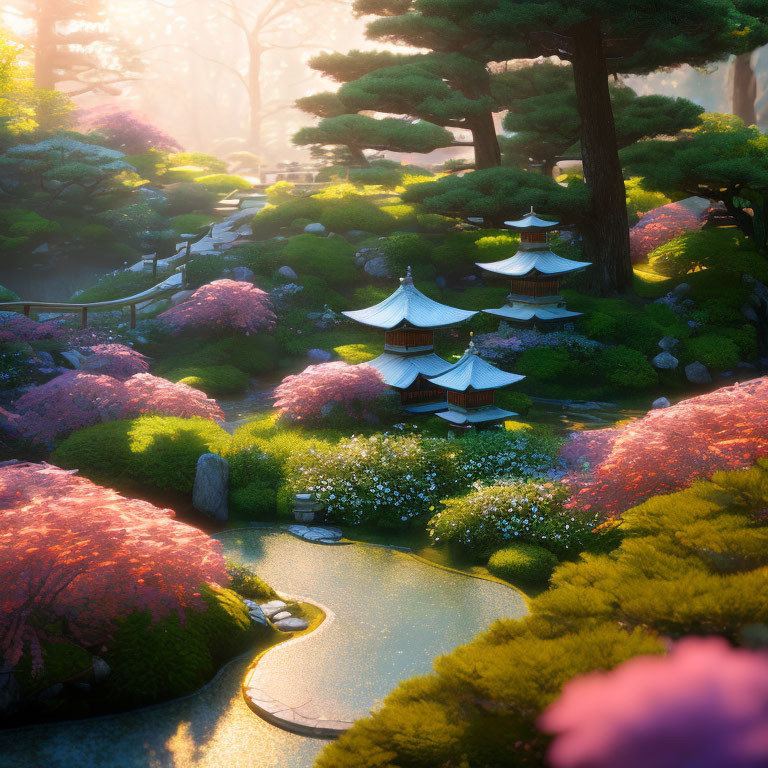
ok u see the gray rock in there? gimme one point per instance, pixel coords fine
(101, 670)
(377, 267)
(665, 361)
(154, 307)
(315, 229)
(681, 290)
(360, 260)
(441, 282)
(288, 273)
(45, 359)
(356, 234)
(74, 357)
(292, 625)
(243, 274)
(697, 373)
(44, 248)
(660, 402)
(668, 343)
(272, 607)
(209, 494)
(319, 355)
(258, 616)
(180, 297)
(280, 616)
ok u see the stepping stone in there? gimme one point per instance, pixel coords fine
(292, 625)
(273, 607)
(258, 616)
(250, 603)
(280, 616)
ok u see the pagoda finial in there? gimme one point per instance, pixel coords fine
(408, 279)
(532, 209)
(472, 349)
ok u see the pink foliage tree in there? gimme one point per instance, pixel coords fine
(75, 558)
(309, 394)
(660, 226)
(15, 327)
(667, 449)
(703, 705)
(223, 305)
(152, 394)
(76, 400)
(126, 130)
(115, 360)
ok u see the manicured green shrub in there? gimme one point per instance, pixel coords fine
(183, 175)
(190, 223)
(543, 363)
(714, 351)
(157, 451)
(152, 662)
(262, 258)
(435, 223)
(625, 369)
(517, 402)
(269, 221)
(354, 354)
(205, 269)
(523, 562)
(357, 214)
(640, 201)
(223, 183)
(209, 163)
(188, 198)
(333, 259)
(598, 326)
(61, 662)
(214, 380)
(745, 338)
(253, 502)
(403, 251)
(247, 584)
(531, 511)
(256, 354)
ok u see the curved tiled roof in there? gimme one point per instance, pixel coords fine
(535, 260)
(472, 372)
(400, 372)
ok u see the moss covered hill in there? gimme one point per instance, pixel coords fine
(692, 563)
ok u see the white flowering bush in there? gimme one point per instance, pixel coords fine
(391, 481)
(529, 511)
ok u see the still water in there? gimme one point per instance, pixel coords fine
(393, 615)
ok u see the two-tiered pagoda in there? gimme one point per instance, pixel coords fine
(535, 273)
(409, 319)
(471, 385)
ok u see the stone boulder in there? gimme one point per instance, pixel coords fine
(209, 495)
(668, 343)
(74, 357)
(243, 274)
(377, 267)
(314, 229)
(291, 625)
(180, 297)
(101, 670)
(288, 273)
(665, 361)
(697, 373)
(660, 402)
(319, 355)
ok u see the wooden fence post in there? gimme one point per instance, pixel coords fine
(133, 316)
(84, 317)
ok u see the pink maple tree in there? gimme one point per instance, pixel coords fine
(704, 705)
(77, 400)
(16, 327)
(223, 305)
(116, 360)
(76, 558)
(152, 394)
(660, 226)
(126, 130)
(309, 394)
(669, 448)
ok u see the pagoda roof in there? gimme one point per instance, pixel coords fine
(483, 415)
(531, 221)
(524, 312)
(400, 372)
(409, 306)
(472, 372)
(524, 262)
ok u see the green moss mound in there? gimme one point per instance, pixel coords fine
(523, 562)
(62, 662)
(247, 584)
(214, 380)
(223, 183)
(159, 451)
(714, 351)
(333, 258)
(152, 662)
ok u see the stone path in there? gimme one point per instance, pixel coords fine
(316, 534)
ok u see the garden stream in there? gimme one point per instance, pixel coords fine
(392, 614)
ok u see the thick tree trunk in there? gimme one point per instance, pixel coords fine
(359, 160)
(487, 151)
(606, 231)
(45, 49)
(254, 97)
(744, 89)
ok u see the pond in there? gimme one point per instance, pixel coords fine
(392, 615)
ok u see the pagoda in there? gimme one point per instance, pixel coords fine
(471, 384)
(535, 273)
(409, 319)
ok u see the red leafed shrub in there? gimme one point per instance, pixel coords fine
(126, 130)
(223, 305)
(669, 448)
(312, 392)
(703, 705)
(70, 402)
(76, 400)
(75, 558)
(15, 327)
(115, 360)
(660, 226)
(151, 394)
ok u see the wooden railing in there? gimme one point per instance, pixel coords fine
(170, 285)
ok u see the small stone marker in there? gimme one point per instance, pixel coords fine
(209, 494)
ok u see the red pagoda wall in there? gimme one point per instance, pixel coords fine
(471, 399)
(535, 287)
(409, 337)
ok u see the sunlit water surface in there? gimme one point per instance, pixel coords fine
(393, 615)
